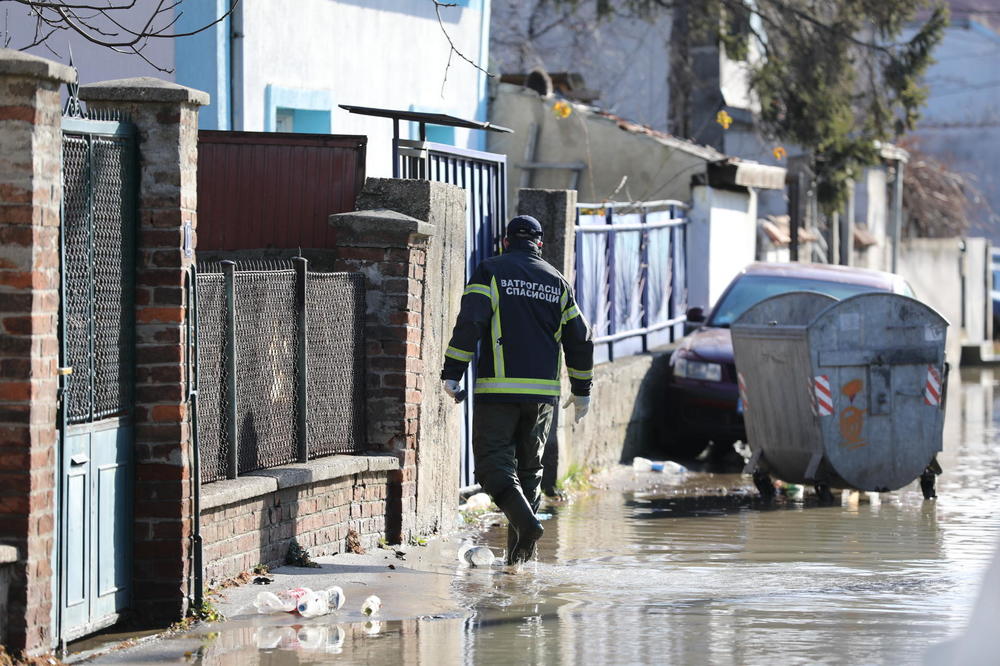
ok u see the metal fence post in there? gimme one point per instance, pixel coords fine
(301, 367)
(644, 277)
(229, 353)
(612, 283)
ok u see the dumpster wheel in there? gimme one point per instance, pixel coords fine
(764, 484)
(823, 493)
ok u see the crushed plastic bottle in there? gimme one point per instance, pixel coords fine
(476, 556)
(285, 601)
(371, 605)
(335, 597)
(640, 464)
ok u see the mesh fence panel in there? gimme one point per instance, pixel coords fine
(336, 361)
(112, 275)
(213, 436)
(265, 369)
(77, 244)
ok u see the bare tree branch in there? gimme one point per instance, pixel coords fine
(454, 50)
(106, 23)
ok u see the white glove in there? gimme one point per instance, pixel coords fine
(450, 387)
(581, 405)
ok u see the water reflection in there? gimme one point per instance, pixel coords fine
(704, 573)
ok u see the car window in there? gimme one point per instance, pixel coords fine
(748, 290)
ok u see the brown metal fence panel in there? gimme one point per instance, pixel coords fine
(259, 190)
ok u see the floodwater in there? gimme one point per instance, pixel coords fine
(698, 571)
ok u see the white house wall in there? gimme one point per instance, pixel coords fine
(379, 53)
(722, 240)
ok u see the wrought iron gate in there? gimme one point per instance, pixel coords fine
(483, 176)
(97, 340)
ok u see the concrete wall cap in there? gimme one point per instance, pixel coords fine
(262, 482)
(16, 63)
(381, 219)
(8, 554)
(142, 89)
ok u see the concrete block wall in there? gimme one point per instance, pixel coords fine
(30, 196)
(166, 116)
(253, 520)
(628, 400)
(408, 240)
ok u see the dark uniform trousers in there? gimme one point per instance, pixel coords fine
(508, 441)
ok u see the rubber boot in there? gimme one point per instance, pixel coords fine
(524, 526)
(512, 531)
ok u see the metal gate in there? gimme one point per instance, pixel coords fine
(97, 349)
(483, 176)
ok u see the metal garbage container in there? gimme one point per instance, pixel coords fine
(842, 394)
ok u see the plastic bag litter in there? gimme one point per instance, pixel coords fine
(478, 502)
(371, 605)
(640, 464)
(372, 627)
(475, 556)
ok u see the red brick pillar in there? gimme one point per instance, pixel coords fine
(166, 116)
(30, 193)
(389, 249)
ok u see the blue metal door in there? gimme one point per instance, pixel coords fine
(97, 334)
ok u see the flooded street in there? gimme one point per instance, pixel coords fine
(695, 570)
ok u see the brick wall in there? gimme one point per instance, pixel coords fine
(166, 116)
(409, 243)
(253, 520)
(30, 194)
(389, 250)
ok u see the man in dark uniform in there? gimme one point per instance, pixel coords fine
(521, 310)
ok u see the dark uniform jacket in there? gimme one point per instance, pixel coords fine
(522, 310)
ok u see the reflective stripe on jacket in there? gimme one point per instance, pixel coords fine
(520, 311)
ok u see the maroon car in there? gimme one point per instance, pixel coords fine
(702, 397)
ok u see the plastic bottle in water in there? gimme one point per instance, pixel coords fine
(335, 597)
(371, 605)
(476, 556)
(314, 604)
(640, 464)
(312, 637)
(282, 602)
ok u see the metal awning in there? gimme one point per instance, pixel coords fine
(424, 118)
(736, 173)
